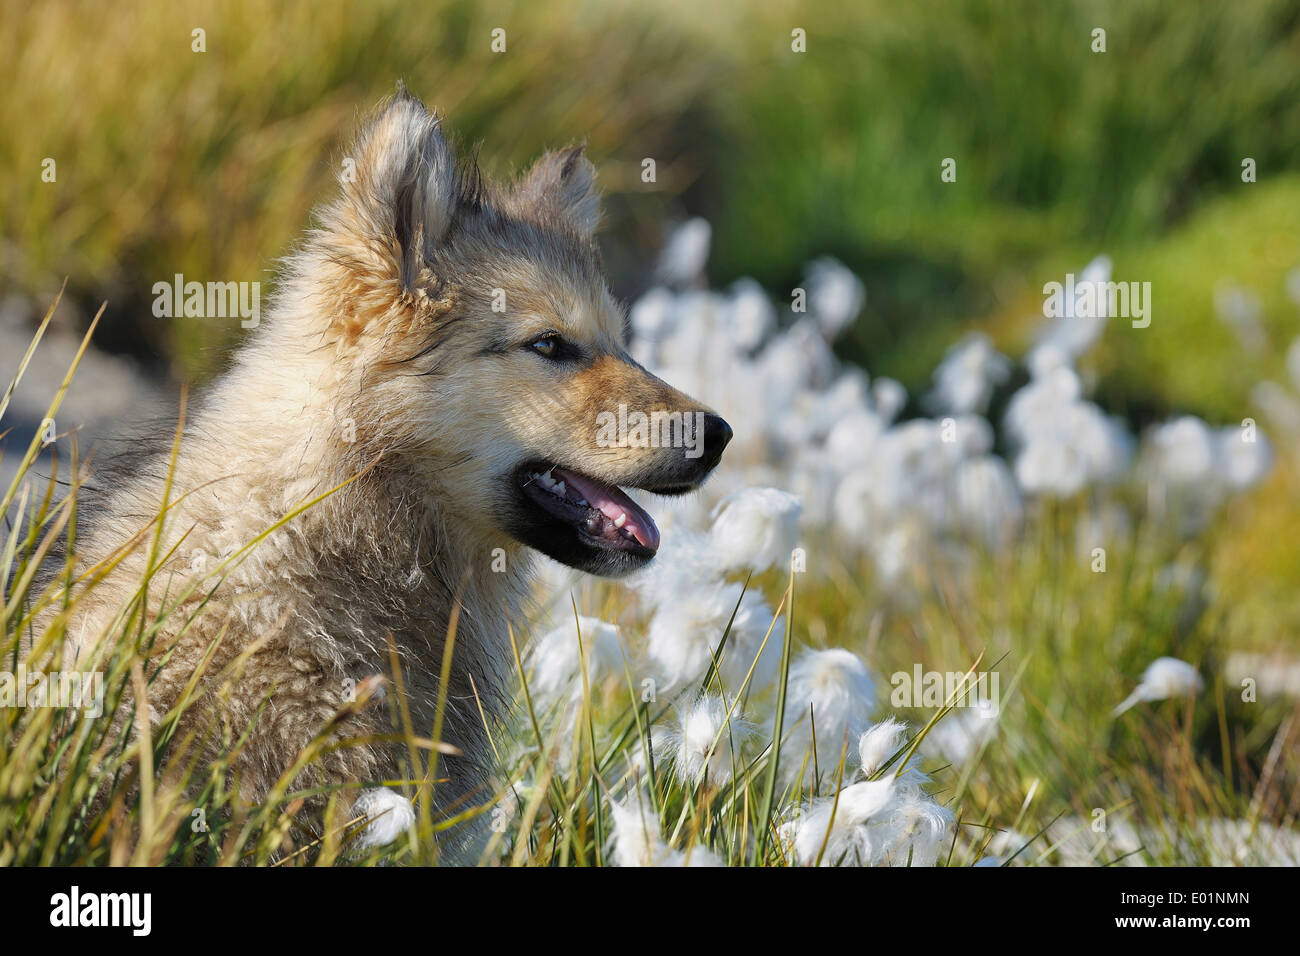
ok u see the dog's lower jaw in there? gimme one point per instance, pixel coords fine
(567, 546)
(582, 522)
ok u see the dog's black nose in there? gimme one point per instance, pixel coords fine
(716, 432)
(716, 435)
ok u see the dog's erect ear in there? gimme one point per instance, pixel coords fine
(562, 183)
(400, 184)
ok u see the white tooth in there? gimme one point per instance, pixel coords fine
(582, 501)
(620, 521)
(559, 489)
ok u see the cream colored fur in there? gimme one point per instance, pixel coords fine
(382, 325)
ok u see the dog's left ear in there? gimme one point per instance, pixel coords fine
(401, 188)
(562, 184)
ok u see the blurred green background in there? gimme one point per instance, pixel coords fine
(209, 163)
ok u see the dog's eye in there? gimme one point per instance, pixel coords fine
(547, 346)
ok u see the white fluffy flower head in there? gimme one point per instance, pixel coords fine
(833, 690)
(707, 744)
(754, 529)
(1164, 677)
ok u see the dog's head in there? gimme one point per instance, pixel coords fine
(488, 352)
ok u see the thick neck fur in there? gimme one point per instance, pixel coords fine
(367, 378)
(382, 557)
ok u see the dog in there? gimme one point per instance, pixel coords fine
(424, 403)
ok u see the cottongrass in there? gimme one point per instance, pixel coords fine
(831, 698)
(754, 529)
(556, 658)
(727, 705)
(889, 820)
(636, 840)
(1165, 677)
(685, 637)
(706, 743)
(909, 506)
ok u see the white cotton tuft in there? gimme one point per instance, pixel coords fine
(1240, 310)
(706, 745)
(554, 660)
(685, 563)
(1184, 451)
(887, 822)
(851, 441)
(636, 840)
(1045, 358)
(1066, 446)
(1244, 457)
(879, 744)
(889, 398)
(687, 629)
(754, 529)
(1082, 321)
(1050, 468)
(964, 731)
(835, 295)
(833, 692)
(1034, 408)
(653, 316)
(988, 501)
(964, 381)
(686, 253)
(1165, 677)
(390, 814)
(750, 316)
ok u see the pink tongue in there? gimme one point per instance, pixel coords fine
(612, 503)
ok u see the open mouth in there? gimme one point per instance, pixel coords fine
(591, 524)
(601, 515)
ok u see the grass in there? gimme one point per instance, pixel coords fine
(1058, 149)
(211, 166)
(208, 164)
(1074, 641)
(1189, 360)
(1069, 642)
